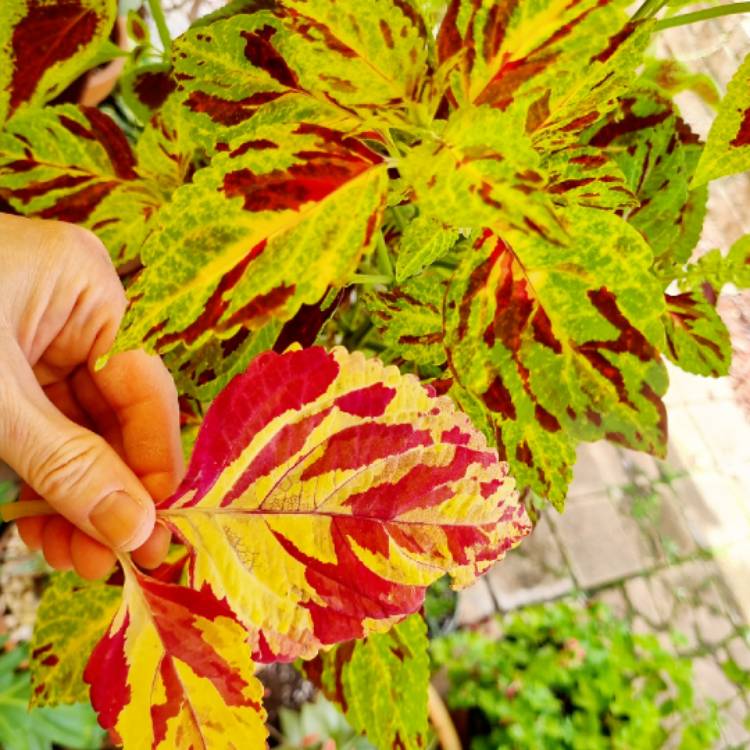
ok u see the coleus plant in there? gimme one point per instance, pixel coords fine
(499, 197)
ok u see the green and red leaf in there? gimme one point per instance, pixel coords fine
(74, 164)
(395, 714)
(326, 492)
(728, 148)
(73, 615)
(276, 219)
(697, 339)
(46, 44)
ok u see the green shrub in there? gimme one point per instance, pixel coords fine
(564, 676)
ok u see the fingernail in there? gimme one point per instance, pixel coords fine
(117, 518)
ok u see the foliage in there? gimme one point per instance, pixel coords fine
(397, 662)
(315, 726)
(73, 727)
(563, 676)
(515, 189)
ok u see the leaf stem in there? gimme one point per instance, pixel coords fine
(702, 15)
(157, 13)
(25, 509)
(370, 278)
(649, 9)
(384, 259)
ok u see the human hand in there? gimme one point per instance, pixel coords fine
(97, 446)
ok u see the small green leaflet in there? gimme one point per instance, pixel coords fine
(380, 684)
(672, 77)
(728, 148)
(410, 317)
(697, 339)
(73, 615)
(423, 241)
(481, 171)
(716, 270)
(269, 225)
(74, 164)
(46, 44)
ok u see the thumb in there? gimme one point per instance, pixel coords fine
(73, 469)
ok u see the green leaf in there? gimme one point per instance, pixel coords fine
(45, 46)
(586, 176)
(715, 270)
(274, 221)
(481, 171)
(203, 371)
(233, 78)
(697, 339)
(424, 241)
(560, 63)
(728, 148)
(555, 347)
(410, 317)
(73, 727)
(73, 615)
(380, 684)
(657, 152)
(74, 164)
(671, 77)
(366, 57)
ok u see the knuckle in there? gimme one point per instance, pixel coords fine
(59, 470)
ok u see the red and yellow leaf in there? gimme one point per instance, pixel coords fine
(174, 672)
(326, 492)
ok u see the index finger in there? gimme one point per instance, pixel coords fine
(143, 397)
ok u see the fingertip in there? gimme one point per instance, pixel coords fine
(153, 551)
(31, 530)
(91, 559)
(123, 521)
(56, 538)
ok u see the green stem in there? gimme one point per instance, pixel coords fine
(157, 13)
(649, 9)
(702, 15)
(384, 259)
(370, 278)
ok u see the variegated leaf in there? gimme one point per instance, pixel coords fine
(202, 371)
(728, 148)
(657, 152)
(423, 241)
(73, 615)
(556, 347)
(671, 77)
(145, 88)
(326, 492)
(174, 671)
(410, 317)
(74, 164)
(46, 44)
(481, 170)
(367, 57)
(586, 176)
(561, 62)
(393, 714)
(697, 339)
(269, 225)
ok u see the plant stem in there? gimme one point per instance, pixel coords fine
(157, 13)
(702, 15)
(649, 9)
(370, 278)
(384, 259)
(25, 509)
